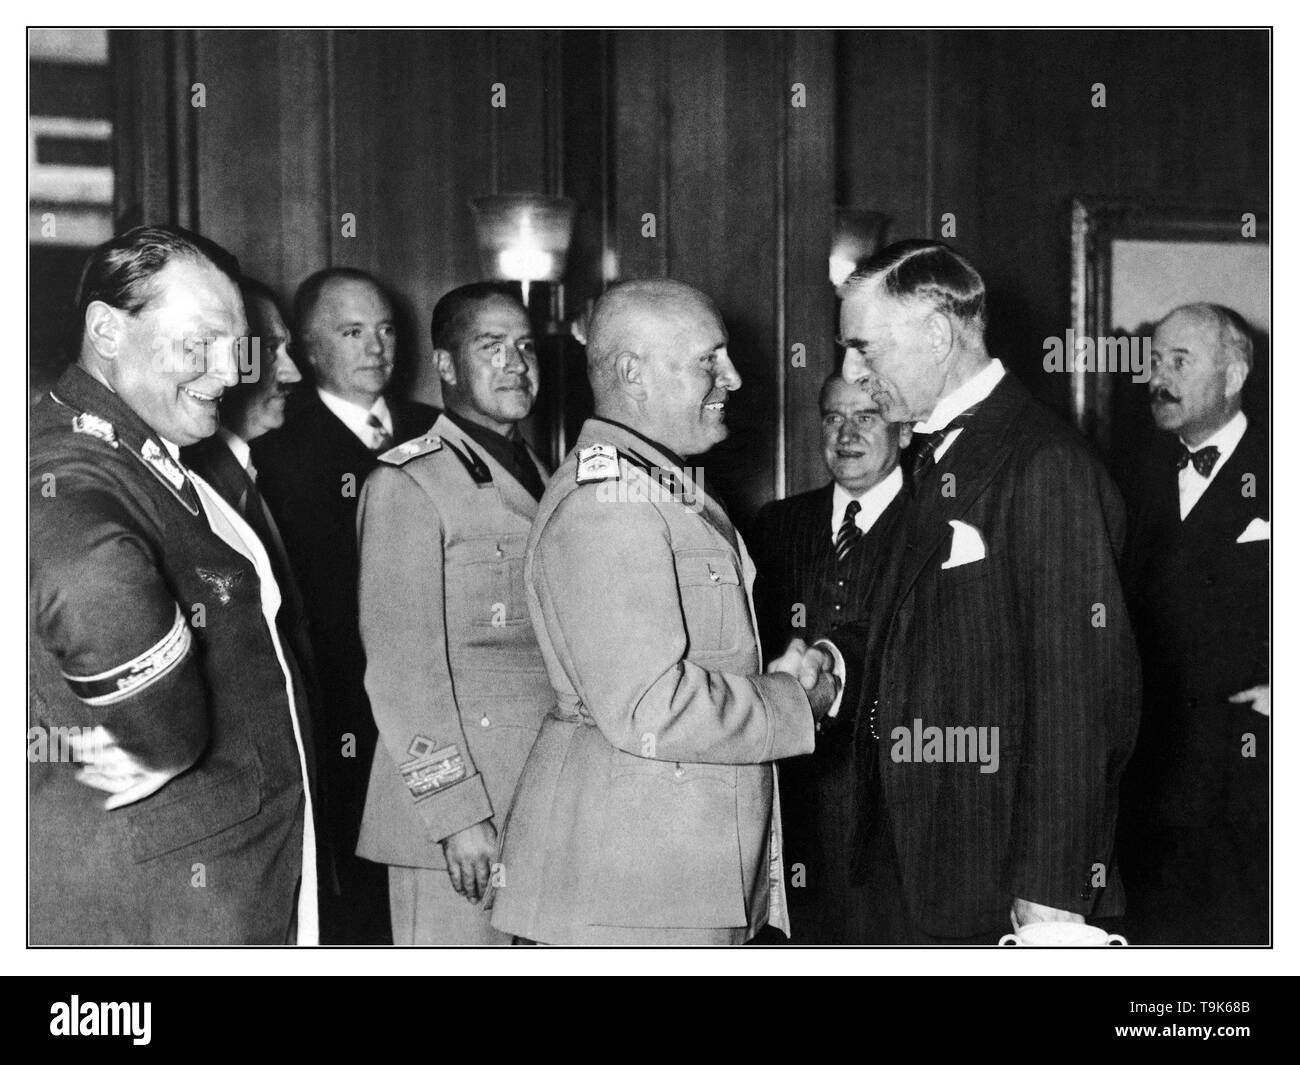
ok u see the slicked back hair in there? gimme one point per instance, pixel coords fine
(121, 272)
(309, 292)
(931, 271)
(448, 321)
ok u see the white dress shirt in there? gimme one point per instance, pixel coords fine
(357, 418)
(228, 525)
(873, 502)
(1191, 485)
(962, 399)
(238, 447)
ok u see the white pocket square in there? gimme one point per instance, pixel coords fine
(1256, 530)
(967, 545)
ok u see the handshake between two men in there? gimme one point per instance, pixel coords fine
(814, 668)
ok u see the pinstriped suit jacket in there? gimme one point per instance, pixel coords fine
(1034, 640)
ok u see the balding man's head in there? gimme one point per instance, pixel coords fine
(657, 359)
(1201, 356)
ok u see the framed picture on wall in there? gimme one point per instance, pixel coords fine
(1133, 263)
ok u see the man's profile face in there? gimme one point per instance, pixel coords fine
(688, 378)
(859, 446)
(351, 340)
(177, 356)
(492, 374)
(1191, 382)
(264, 404)
(888, 354)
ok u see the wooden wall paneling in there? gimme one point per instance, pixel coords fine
(238, 147)
(808, 301)
(727, 106)
(152, 126)
(883, 120)
(640, 166)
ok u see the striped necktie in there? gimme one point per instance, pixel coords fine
(849, 533)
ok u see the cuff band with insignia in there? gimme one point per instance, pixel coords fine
(102, 689)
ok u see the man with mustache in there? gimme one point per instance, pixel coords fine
(154, 614)
(1195, 815)
(817, 554)
(311, 471)
(1001, 618)
(645, 810)
(455, 678)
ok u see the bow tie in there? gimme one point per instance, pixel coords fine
(1202, 461)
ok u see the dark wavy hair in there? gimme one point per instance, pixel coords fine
(121, 271)
(449, 313)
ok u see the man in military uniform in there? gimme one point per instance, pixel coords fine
(156, 661)
(645, 810)
(455, 679)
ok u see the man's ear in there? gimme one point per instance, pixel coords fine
(629, 370)
(446, 366)
(1235, 378)
(104, 328)
(939, 333)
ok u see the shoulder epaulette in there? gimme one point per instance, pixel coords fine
(599, 462)
(403, 453)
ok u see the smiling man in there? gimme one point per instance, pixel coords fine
(455, 678)
(311, 471)
(152, 610)
(1001, 611)
(645, 810)
(817, 554)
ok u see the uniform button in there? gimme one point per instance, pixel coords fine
(679, 772)
(484, 721)
(1209, 582)
(839, 606)
(840, 583)
(714, 575)
(500, 553)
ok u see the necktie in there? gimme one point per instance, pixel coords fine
(1202, 461)
(849, 533)
(383, 439)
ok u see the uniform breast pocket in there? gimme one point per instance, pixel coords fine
(493, 573)
(714, 606)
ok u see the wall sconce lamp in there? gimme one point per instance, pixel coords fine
(858, 235)
(524, 237)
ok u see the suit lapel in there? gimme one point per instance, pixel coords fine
(972, 461)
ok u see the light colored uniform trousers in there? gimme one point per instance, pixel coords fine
(426, 911)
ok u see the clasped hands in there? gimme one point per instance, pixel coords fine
(814, 668)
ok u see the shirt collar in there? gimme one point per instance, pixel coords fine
(237, 444)
(1226, 439)
(964, 397)
(675, 458)
(873, 501)
(354, 415)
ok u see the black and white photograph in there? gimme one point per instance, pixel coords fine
(803, 490)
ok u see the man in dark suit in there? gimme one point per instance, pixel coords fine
(155, 649)
(817, 553)
(996, 684)
(1195, 814)
(311, 472)
(254, 407)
